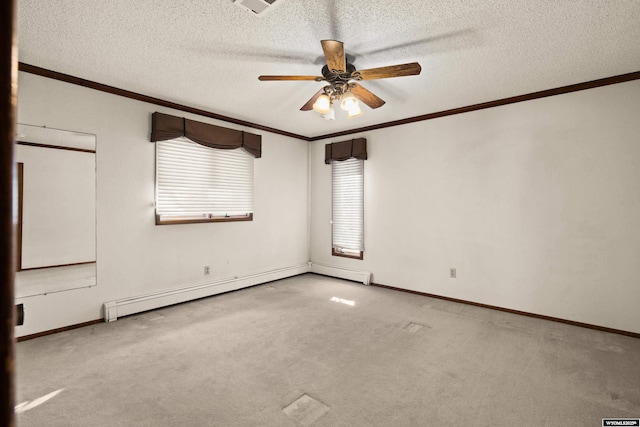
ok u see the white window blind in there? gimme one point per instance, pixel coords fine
(194, 181)
(348, 204)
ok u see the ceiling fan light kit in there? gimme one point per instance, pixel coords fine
(341, 75)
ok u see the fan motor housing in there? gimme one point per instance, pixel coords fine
(333, 77)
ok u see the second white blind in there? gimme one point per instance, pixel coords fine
(348, 204)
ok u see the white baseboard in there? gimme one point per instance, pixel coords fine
(342, 273)
(127, 306)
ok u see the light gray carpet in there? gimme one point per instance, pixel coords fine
(249, 358)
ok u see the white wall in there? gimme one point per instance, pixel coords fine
(536, 204)
(136, 257)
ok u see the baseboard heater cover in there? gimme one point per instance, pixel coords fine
(363, 277)
(138, 304)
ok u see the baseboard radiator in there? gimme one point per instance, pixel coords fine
(363, 277)
(138, 304)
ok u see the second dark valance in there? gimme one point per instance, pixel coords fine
(344, 150)
(165, 126)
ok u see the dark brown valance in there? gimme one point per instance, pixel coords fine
(345, 150)
(164, 126)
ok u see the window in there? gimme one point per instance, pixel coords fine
(204, 172)
(347, 216)
(195, 183)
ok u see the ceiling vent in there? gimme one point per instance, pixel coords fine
(256, 7)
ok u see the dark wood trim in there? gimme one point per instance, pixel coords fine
(32, 69)
(43, 72)
(203, 220)
(497, 103)
(334, 252)
(55, 266)
(8, 113)
(20, 216)
(58, 330)
(55, 147)
(508, 310)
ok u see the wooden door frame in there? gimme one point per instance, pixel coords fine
(8, 111)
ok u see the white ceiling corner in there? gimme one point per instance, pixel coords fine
(208, 53)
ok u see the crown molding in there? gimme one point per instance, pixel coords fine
(497, 103)
(32, 69)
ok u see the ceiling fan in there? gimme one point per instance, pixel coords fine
(341, 75)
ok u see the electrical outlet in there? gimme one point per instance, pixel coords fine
(452, 273)
(206, 270)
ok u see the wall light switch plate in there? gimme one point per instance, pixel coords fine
(452, 273)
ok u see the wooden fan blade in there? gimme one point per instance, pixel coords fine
(365, 96)
(334, 54)
(268, 78)
(309, 105)
(401, 70)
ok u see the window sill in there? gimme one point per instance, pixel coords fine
(184, 220)
(355, 255)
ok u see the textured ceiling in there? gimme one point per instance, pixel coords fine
(208, 53)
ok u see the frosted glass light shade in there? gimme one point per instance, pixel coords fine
(348, 101)
(331, 115)
(322, 104)
(354, 111)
